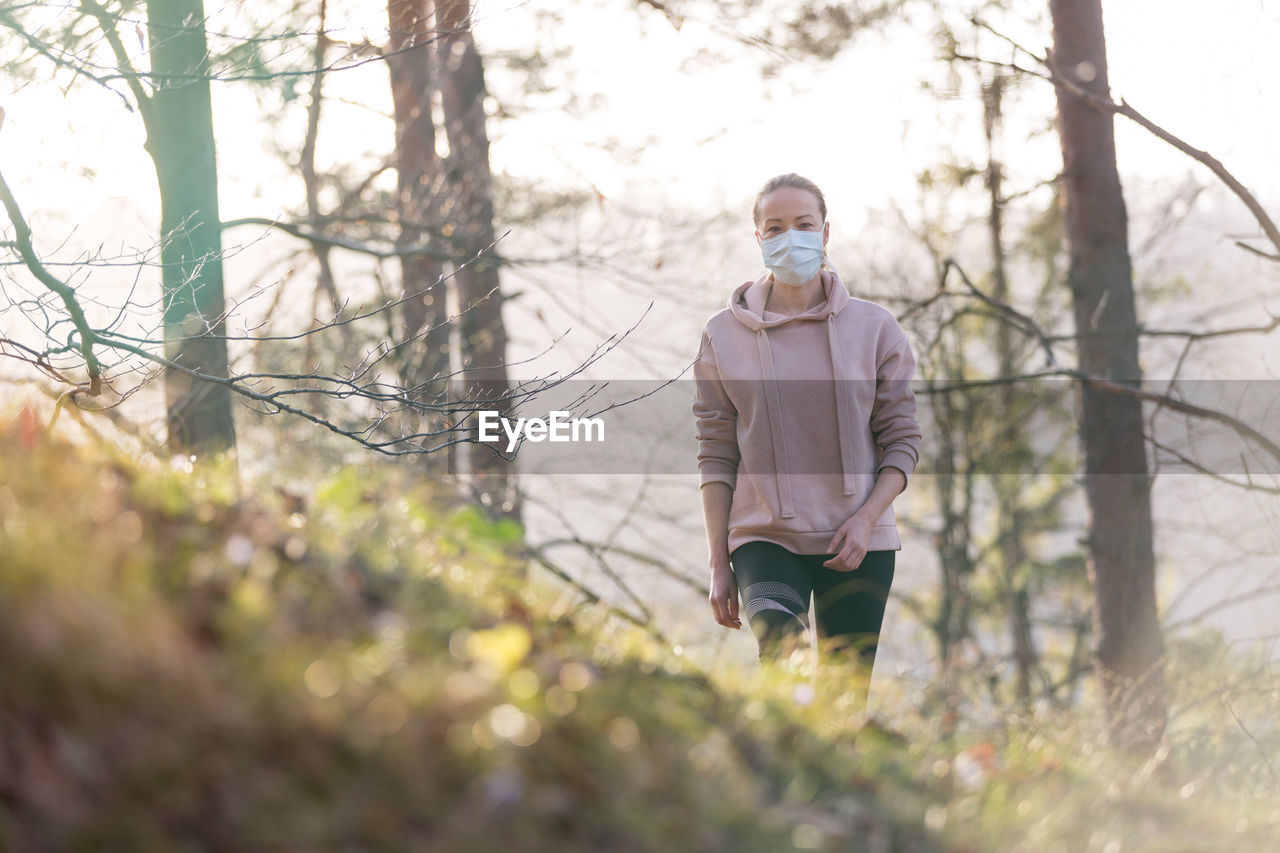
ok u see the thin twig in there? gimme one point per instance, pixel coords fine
(1275, 781)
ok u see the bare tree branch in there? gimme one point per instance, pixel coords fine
(339, 242)
(594, 598)
(1028, 326)
(360, 382)
(1056, 76)
(1223, 604)
(87, 336)
(140, 96)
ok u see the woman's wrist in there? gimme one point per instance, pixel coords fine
(868, 514)
(882, 495)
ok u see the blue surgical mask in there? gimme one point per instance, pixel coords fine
(794, 256)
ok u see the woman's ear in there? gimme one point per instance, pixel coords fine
(826, 234)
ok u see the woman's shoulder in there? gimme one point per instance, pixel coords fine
(866, 311)
(720, 322)
(866, 306)
(874, 321)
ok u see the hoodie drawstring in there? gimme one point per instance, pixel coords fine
(845, 434)
(774, 407)
(747, 304)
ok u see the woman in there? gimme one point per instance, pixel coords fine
(795, 380)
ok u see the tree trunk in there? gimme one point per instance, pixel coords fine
(311, 181)
(419, 186)
(179, 124)
(1117, 485)
(1009, 486)
(483, 335)
(952, 624)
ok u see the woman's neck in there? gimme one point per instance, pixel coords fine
(788, 299)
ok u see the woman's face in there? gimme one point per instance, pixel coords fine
(788, 208)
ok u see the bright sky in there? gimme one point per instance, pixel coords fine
(658, 127)
(1212, 78)
(711, 131)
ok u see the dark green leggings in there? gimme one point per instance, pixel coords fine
(775, 585)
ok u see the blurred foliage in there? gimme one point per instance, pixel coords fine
(191, 663)
(367, 668)
(785, 31)
(69, 40)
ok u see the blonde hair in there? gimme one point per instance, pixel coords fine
(790, 179)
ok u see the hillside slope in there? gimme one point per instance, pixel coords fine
(188, 668)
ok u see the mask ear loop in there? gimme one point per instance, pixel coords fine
(826, 259)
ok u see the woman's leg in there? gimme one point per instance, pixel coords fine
(849, 606)
(775, 586)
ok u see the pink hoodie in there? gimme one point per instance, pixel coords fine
(781, 400)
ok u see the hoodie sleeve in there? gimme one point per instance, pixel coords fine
(717, 421)
(893, 418)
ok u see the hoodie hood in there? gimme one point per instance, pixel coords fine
(747, 304)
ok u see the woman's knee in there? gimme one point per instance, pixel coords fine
(778, 617)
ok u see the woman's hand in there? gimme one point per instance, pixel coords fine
(850, 543)
(724, 597)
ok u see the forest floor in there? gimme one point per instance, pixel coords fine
(190, 662)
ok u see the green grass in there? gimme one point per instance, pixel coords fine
(191, 664)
